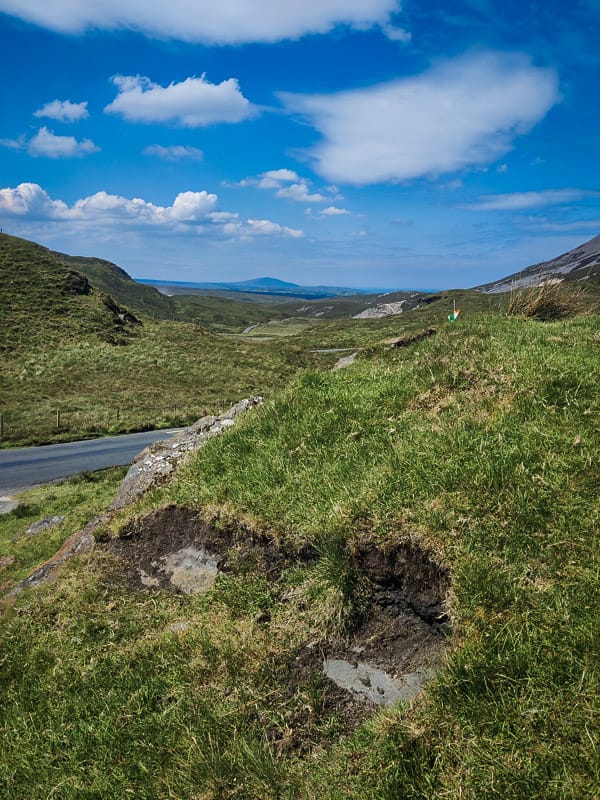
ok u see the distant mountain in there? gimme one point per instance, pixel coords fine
(268, 283)
(580, 264)
(258, 286)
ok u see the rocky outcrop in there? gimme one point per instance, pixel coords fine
(382, 310)
(154, 464)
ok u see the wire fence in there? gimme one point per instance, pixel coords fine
(38, 423)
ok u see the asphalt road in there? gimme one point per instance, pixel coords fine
(29, 466)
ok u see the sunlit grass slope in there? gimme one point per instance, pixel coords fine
(480, 442)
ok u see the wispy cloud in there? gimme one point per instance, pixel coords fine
(519, 201)
(547, 226)
(462, 113)
(289, 185)
(63, 111)
(225, 22)
(48, 145)
(192, 103)
(175, 152)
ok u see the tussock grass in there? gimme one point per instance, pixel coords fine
(481, 442)
(548, 301)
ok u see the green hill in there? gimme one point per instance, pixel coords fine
(224, 314)
(45, 299)
(449, 486)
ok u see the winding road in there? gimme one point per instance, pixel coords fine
(24, 467)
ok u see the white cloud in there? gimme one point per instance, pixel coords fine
(191, 212)
(29, 199)
(290, 186)
(502, 168)
(14, 144)
(273, 178)
(396, 34)
(265, 227)
(333, 211)
(301, 193)
(46, 143)
(224, 22)
(175, 152)
(193, 103)
(518, 201)
(460, 113)
(63, 111)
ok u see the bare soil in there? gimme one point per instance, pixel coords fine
(402, 633)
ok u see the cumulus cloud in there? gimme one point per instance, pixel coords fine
(289, 185)
(301, 193)
(190, 212)
(460, 113)
(518, 201)
(225, 22)
(274, 178)
(29, 199)
(45, 143)
(63, 111)
(193, 103)
(175, 152)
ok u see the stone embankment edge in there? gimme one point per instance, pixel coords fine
(150, 468)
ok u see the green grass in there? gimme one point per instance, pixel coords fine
(481, 442)
(169, 374)
(77, 500)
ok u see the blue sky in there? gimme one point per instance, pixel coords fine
(365, 143)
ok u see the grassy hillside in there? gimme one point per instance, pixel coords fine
(44, 300)
(477, 446)
(217, 313)
(67, 345)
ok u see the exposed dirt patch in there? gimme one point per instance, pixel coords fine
(397, 647)
(410, 574)
(388, 658)
(174, 549)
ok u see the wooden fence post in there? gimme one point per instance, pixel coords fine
(58, 418)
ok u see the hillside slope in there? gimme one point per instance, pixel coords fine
(225, 314)
(44, 299)
(580, 264)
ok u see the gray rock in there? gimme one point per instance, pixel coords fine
(7, 505)
(344, 362)
(44, 524)
(154, 464)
